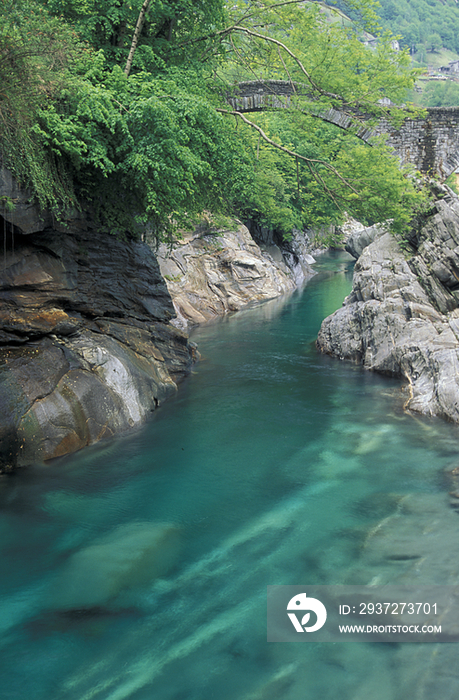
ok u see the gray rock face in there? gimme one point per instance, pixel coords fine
(86, 347)
(209, 275)
(297, 256)
(402, 317)
(27, 215)
(359, 239)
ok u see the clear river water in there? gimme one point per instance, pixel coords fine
(275, 463)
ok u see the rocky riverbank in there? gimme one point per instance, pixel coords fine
(87, 350)
(402, 316)
(212, 273)
(90, 341)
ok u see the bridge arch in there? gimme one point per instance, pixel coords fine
(430, 143)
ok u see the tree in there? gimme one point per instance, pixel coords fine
(441, 94)
(138, 123)
(110, 25)
(434, 43)
(137, 33)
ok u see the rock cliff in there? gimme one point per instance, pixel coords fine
(402, 316)
(86, 345)
(209, 274)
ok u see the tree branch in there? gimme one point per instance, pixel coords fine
(310, 161)
(286, 70)
(228, 30)
(278, 43)
(318, 178)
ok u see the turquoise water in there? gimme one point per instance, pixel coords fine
(274, 464)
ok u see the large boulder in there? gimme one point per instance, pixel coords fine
(359, 238)
(402, 316)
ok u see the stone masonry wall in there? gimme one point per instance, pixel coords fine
(429, 143)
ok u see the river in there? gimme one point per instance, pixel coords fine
(275, 463)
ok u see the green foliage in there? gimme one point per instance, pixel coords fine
(385, 192)
(109, 25)
(328, 238)
(150, 152)
(335, 70)
(331, 62)
(452, 182)
(422, 23)
(441, 94)
(366, 183)
(7, 204)
(35, 52)
(148, 149)
(164, 151)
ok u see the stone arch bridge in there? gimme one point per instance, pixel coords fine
(430, 143)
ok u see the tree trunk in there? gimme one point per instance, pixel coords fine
(136, 37)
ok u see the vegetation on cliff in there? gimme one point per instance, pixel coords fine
(123, 105)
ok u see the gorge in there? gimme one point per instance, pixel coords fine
(128, 568)
(164, 459)
(87, 349)
(138, 566)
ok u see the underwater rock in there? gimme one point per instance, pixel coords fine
(414, 543)
(132, 555)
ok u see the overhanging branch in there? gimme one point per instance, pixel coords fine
(312, 162)
(278, 43)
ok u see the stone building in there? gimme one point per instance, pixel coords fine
(451, 69)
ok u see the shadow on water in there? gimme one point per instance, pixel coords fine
(272, 465)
